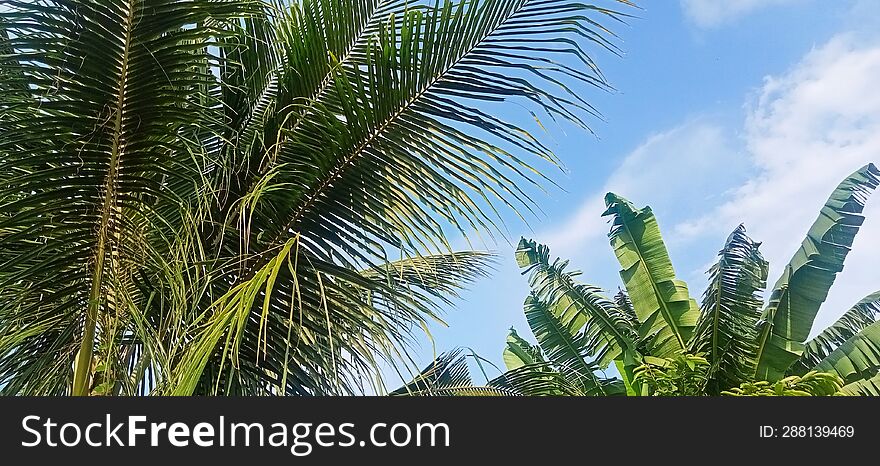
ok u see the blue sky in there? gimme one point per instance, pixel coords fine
(726, 112)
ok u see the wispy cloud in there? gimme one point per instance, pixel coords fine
(713, 13)
(804, 131)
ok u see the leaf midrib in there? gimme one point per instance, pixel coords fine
(84, 358)
(337, 172)
(622, 340)
(663, 307)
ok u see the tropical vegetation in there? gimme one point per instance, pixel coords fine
(663, 343)
(246, 197)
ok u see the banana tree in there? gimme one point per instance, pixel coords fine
(657, 335)
(254, 197)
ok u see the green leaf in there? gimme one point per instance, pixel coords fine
(853, 321)
(665, 310)
(730, 311)
(518, 352)
(538, 379)
(447, 375)
(865, 387)
(157, 156)
(102, 105)
(626, 373)
(858, 358)
(605, 331)
(557, 329)
(806, 280)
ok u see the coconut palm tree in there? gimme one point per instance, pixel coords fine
(254, 197)
(663, 342)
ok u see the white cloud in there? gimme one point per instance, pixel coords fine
(713, 13)
(805, 132)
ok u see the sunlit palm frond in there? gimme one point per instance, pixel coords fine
(857, 318)
(730, 311)
(662, 303)
(209, 196)
(389, 144)
(95, 145)
(806, 280)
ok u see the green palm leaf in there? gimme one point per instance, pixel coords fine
(666, 312)
(866, 387)
(603, 331)
(542, 379)
(96, 152)
(853, 321)
(377, 163)
(336, 324)
(389, 149)
(447, 375)
(730, 311)
(805, 281)
(858, 358)
(518, 352)
(208, 196)
(439, 275)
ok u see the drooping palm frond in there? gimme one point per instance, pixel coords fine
(391, 144)
(385, 151)
(730, 311)
(858, 358)
(543, 379)
(666, 312)
(448, 375)
(853, 321)
(98, 153)
(603, 331)
(440, 275)
(805, 281)
(333, 338)
(236, 176)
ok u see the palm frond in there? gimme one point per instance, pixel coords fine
(730, 311)
(857, 359)
(805, 281)
(385, 147)
(96, 151)
(853, 321)
(600, 327)
(448, 375)
(238, 176)
(666, 312)
(540, 379)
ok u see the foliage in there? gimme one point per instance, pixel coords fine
(249, 197)
(681, 375)
(662, 344)
(806, 279)
(663, 306)
(810, 384)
